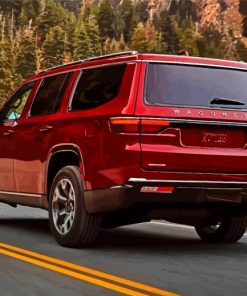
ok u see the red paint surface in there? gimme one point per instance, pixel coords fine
(110, 158)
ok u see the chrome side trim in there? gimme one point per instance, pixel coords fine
(157, 164)
(21, 194)
(207, 122)
(24, 199)
(184, 181)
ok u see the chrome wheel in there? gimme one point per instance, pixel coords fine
(63, 206)
(71, 224)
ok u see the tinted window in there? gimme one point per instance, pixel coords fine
(97, 86)
(15, 106)
(50, 95)
(194, 85)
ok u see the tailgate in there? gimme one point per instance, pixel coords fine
(202, 114)
(186, 146)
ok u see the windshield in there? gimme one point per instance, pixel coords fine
(195, 86)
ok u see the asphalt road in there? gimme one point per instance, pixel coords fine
(167, 257)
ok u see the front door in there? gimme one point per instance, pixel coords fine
(37, 133)
(9, 117)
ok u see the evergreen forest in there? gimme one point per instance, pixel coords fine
(38, 34)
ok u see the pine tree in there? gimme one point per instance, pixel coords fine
(241, 51)
(188, 42)
(26, 55)
(93, 33)
(153, 37)
(71, 30)
(211, 43)
(139, 40)
(105, 20)
(82, 42)
(170, 33)
(51, 14)
(54, 47)
(126, 11)
(30, 8)
(6, 69)
(141, 11)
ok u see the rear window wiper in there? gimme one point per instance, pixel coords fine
(223, 101)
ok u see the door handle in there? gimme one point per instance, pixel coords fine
(8, 132)
(45, 128)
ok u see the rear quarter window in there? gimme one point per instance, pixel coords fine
(97, 86)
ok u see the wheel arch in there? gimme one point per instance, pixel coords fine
(59, 156)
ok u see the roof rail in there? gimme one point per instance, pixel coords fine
(61, 66)
(112, 55)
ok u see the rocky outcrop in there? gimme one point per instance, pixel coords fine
(224, 15)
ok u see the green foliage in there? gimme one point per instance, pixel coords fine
(26, 56)
(54, 47)
(141, 11)
(93, 33)
(242, 51)
(188, 41)
(211, 44)
(139, 40)
(51, 14)
(36, 34)
(73, 5)
(126, 11)
(82, 42)
(105, 19)
(170, 32)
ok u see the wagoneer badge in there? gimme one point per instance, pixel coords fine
(212, 113)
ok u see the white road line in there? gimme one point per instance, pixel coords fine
(177, 225)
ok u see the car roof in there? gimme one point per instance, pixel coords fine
(133, 56)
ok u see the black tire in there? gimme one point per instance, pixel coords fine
(230, 229)
(81, 228)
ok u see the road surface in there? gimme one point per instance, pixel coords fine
(153, 258)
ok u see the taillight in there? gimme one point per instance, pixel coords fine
(125, 125)
(151, 125)
(137, 125)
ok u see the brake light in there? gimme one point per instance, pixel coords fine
(153, 125)
(137, 125)
(125, 125)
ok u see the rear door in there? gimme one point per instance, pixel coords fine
(194, 119)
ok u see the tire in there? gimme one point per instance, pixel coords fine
(70, 223)
(228, 229)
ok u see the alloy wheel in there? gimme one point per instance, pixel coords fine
(63, 206)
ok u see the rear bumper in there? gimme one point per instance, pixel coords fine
(159, 192)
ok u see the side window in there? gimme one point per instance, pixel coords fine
(97, 86)
(50, 94)
(14, 107)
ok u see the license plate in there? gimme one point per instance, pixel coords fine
(216, 139)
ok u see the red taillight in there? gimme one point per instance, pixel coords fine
(125, 125)
(137, 125)
(153, 125)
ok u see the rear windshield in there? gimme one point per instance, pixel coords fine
(195, 86)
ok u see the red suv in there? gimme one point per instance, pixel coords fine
(127, 138)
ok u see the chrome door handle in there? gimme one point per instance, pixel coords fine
(45, 128)
(8, 132)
